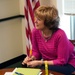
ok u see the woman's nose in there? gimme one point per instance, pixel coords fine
(35, 20)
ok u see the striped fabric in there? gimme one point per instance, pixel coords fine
(30, 6)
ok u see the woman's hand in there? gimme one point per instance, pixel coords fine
(34, 63)
(27, 59)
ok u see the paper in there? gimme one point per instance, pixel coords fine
(14, 71)
(51, 74)
(40, 73)
(27, 71)
(8, 73)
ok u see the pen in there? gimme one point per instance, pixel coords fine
(30, 53)
(18, 73)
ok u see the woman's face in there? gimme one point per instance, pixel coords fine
(39, 23)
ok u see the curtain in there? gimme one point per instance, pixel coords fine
(72, 27)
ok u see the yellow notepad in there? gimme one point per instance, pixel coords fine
(27, 71)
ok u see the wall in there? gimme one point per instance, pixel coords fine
(64, 19)
(48, 2)
(12, 32)
(10, 39)
(11, 42)
(9, 8)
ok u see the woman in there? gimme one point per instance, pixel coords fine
(50, 43)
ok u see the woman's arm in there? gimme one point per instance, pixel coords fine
(35, 49)
(63, 50)
(35, 63)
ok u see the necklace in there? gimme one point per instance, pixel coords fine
(46, 37)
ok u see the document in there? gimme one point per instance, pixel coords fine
(8, 73)
(26, 71)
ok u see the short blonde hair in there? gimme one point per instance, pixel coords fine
(49, 14)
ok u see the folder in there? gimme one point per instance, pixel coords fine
(26, 71)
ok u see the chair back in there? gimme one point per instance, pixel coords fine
(73, 42)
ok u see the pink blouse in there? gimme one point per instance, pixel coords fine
(57, 48)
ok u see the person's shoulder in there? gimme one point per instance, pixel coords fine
(35, 30)
(60, 31)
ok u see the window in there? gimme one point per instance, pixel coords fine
(69, 9)
(67, 19)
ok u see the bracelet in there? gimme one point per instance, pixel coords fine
(42, 62)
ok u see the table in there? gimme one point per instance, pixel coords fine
(2, 71)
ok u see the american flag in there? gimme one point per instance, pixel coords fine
(30, 6)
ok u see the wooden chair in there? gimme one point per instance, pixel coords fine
(73, 42)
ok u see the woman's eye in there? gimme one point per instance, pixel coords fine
(39, 19)
(36, 18)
